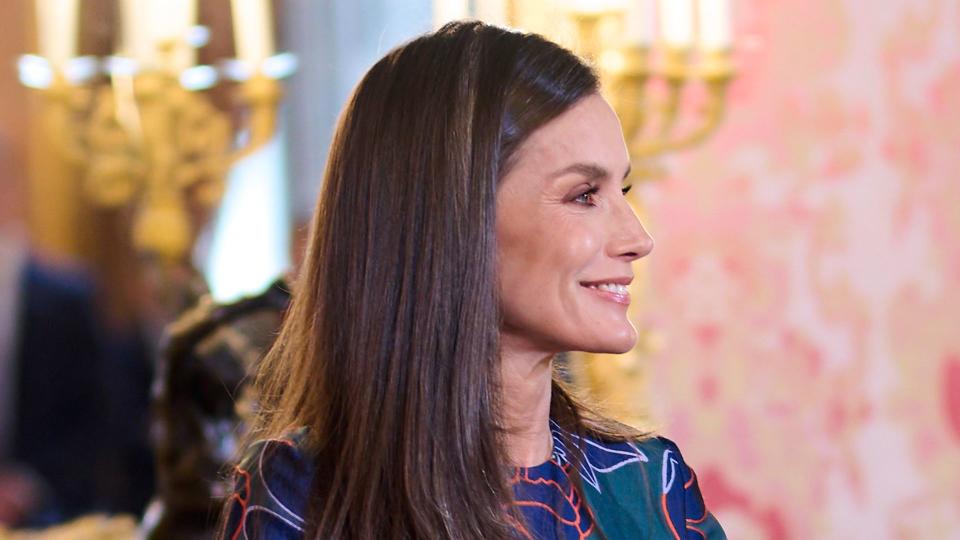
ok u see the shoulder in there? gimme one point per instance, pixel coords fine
(682, 502)
(667, 460)
(272, 487)
(650, 476)
(666, 454)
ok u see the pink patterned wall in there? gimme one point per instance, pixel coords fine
(806, 279)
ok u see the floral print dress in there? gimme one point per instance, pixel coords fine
(631, 490)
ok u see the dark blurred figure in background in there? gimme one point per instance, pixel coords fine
(203, 405)
(73, 400)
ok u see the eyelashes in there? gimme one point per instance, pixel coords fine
(588, 197)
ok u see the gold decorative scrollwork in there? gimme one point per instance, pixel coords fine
(149, 143)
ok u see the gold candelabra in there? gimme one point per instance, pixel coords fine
(631, 74)
(139, 124)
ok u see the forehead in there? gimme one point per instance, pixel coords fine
(588, 132)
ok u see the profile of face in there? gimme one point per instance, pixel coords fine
(567, 237)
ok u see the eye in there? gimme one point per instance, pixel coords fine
(626, 189)
(588, 197)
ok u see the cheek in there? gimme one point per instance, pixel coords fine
(551, 256)
(567, 253)
(579, 247)
(540, 269)
(525, 264)
(522, 271)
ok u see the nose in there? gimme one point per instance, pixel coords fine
(629, 240)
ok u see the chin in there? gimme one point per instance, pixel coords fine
(614, 343)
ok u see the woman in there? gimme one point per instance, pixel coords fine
(472, 225)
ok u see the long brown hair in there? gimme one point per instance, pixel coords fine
(389, 352)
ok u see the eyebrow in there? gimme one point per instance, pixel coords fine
(591, 171)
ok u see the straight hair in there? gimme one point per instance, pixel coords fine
(389, 353)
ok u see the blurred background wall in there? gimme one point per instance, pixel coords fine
(806, 278)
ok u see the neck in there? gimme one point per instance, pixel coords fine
(526, 378)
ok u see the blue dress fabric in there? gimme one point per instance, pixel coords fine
(630, 490)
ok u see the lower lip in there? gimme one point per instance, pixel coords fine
(622, 299)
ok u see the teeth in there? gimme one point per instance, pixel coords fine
(612, 287)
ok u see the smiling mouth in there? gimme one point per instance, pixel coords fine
(614, 292)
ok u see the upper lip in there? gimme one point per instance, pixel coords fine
(622, 280)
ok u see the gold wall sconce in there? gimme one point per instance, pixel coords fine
(635, 60)
(139, 124)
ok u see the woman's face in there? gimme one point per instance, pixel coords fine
(566, 237)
